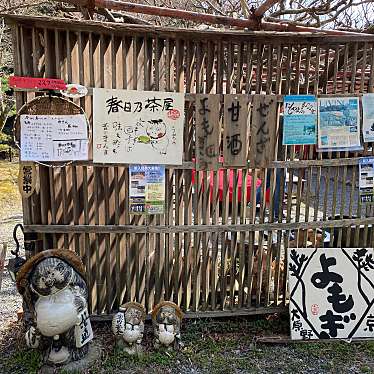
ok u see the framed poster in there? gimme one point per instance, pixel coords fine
(54, 137)
(147, 189)
(138, 127)
(300, 120)
(368, 117)
(338, 124)
(366, 180)
(331, 293)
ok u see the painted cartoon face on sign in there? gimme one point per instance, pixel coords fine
(156, 130)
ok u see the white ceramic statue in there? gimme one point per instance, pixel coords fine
(166, 320)
(128, 327)
(53, 286)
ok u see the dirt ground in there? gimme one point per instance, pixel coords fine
(210, 346)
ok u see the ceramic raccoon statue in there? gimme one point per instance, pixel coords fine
(53, 286)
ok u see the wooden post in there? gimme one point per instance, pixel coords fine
(2, 262)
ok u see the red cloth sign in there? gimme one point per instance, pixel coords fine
(37, 83)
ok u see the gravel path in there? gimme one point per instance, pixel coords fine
(10, 300)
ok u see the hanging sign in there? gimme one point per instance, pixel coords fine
(26, 179)
(54, 137)
(300, 120)
(74, 91)
(235, 145)
(366, 180)
(331, 293)
(147, 189)
(208, 131)
(37, 83)
(263, 130)
(368, 117)
(338, 124)
(138, 127)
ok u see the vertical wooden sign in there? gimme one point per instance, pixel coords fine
(235, 135)
(26, 179)
(263, 130)
(208, 131)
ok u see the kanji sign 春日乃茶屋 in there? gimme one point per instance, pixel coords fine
(138, 127)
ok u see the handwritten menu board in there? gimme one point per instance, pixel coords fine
(138, 127)
(54, 137)
(331, 293)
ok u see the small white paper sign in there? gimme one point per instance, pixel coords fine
(54, 137)
(83, 329)
(138, 127)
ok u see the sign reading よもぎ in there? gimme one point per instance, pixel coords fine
(331, 293)
(138, 127)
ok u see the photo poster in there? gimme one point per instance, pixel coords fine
(331, 293)
(147, 189)
(300, 120)
(54, 137)
(368, 117)
(366, 180)
(138, 127)
(338, 124)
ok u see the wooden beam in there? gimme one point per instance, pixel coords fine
(167, 229)
(285, 34)
(168, 12)
(265, 6)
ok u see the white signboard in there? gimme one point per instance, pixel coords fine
(54, 137)
(138, 127)
(331, 293)
(368, 117)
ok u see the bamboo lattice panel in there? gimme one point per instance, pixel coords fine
(208, 255)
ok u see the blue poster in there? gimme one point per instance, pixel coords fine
(147, 189)
(300, 120)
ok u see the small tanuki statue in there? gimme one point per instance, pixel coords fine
(53, 286)
(166, 321)
(128, 327)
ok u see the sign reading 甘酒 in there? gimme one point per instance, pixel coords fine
(138, 127)
(331, 293)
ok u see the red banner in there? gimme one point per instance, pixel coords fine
(37, 83)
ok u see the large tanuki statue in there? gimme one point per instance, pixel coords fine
(53, 286)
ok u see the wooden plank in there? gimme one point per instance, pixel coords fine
(263, 130)
(207, 132)
(101, 229)
(235, 135)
